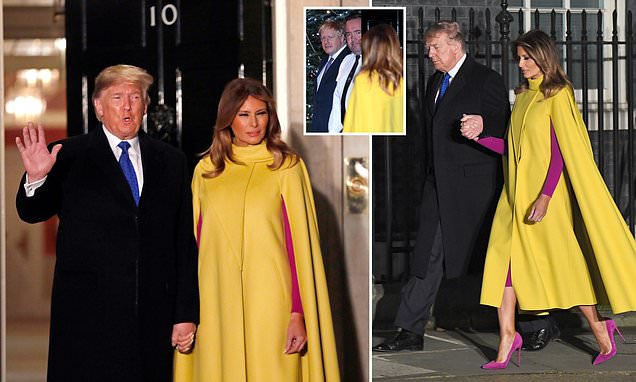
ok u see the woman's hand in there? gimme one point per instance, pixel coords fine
(471, 125)
(539, 208)
(296, 334)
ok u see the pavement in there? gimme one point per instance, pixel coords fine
(456, 355)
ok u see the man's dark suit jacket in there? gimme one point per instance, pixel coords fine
(467, 177)
(323, 96)
(124, 274)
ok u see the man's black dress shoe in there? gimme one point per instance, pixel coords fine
(538, 340)
(404, 340)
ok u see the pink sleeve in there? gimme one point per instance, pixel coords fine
(556, 165)
(493, 144)
(297, 305)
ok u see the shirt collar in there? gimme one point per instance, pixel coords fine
(338, 52)
(113, 141)
(455, 69)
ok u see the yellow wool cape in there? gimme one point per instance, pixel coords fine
(582, 252)
(371, 109)
(245, 280)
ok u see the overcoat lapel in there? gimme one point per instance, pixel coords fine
(454, 88)
(152, 163)
(456, 85)
(431, 91)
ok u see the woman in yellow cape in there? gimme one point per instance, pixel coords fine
(376, 104)
(577, 252)
(265, 312)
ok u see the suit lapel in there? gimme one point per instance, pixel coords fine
(103, 158)
(322, 65)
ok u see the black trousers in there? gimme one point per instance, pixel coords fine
(418, 294)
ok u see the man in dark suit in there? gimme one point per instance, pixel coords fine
(349, 68)
(125, 288)
(333, 43)
(462, 180)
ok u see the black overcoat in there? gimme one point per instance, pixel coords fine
(467, 177)
(124, 274)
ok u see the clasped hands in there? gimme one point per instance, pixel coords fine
(183, 336)
(471, 126)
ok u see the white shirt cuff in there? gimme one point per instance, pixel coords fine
(31, 187)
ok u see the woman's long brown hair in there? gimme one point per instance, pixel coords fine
(233, 97)
(381, 53)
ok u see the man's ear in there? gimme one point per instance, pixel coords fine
(98, 107)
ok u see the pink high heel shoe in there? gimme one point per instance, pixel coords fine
(611, 328)
(516, 345)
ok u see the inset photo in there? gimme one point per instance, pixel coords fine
(355, 77)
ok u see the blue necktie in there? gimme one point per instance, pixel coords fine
(442, 89)
(327, 66)
(128, 169)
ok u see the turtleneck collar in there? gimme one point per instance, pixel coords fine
(252, 153)
(535, 84)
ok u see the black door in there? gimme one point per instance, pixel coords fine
(192, 48)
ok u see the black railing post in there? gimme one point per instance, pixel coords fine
(488, 40)
(569, 52)
(599, 93)
(521, 31)
(631, 178)
(584, 68)
(472, 40)
(388, 226)
(504, 18)
(421, 50)
(553, 25)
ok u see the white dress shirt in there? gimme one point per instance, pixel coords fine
(335, 122)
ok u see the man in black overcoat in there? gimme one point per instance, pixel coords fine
(125, 288)
(462, 183)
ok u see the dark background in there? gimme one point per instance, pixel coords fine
(207, 42)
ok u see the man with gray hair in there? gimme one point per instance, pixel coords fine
(462, 180)
(333, 43)
(125, 287)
